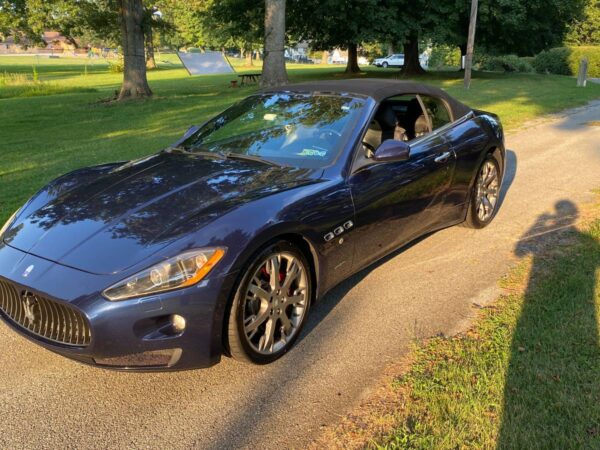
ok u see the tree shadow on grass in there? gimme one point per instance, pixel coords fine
(552, 387)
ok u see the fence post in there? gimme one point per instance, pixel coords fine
(582, 76)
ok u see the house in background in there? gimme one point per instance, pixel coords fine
(52, 42)
(298, 53)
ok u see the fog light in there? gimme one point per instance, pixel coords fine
(177, 323)
(153, 358)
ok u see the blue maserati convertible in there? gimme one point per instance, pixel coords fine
(220, 244)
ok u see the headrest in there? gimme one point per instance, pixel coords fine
(386, 117)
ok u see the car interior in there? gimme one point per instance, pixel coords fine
(402, 118)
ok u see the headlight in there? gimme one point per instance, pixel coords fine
(8, 223)
(174, 273)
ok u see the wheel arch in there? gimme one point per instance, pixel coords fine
(495, 150)
(299, 240)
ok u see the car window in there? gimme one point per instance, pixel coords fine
(437, 111)
(400, 117)
(302, 130)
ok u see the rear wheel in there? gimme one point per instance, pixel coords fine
(270, 304)
(485, 195)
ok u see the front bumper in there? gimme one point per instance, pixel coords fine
(129, 334)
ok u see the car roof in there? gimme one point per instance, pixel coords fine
(376, 88)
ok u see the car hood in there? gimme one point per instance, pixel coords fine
(105, 221)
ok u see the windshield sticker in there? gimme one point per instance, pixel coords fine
(270, 117)
(312, 152)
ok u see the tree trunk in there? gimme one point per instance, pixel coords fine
(390, 48)
(150, 61)
(325, 57)
(352, 65)
(273, 71)
(249, 61)
(135, 83)
(412, 65)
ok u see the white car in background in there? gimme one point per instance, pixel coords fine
(396, 60)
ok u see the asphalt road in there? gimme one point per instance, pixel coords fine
(368, 321)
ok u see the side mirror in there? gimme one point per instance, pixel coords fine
(190, 131)
(392, 151)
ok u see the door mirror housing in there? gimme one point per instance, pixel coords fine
(391, 150)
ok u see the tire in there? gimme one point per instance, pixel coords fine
(384, 65)
(483, 202)
(279, 314)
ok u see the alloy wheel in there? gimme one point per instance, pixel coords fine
(276, 301)
(487, 191)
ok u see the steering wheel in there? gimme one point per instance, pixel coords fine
(328, 131)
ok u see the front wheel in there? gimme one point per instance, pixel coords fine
(385, 65)
(270, 305)
(486, 192)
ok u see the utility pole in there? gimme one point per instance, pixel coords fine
(470, 43)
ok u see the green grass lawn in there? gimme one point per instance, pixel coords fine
(527, 375)
(59, 123)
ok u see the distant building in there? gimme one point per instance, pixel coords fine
(53, 42)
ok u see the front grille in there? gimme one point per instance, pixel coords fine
(56, 322)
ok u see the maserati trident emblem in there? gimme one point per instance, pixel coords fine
(29, 306)
(28, 271)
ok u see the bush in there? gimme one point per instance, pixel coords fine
(193, 50)
(116, 66)
(565, 60)
(505, 63)
(555, 60)
(444, 56)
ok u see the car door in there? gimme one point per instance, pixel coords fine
(448, 211)
(393, 200)
(397, 60)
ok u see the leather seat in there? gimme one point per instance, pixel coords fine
(391, 129)
(384, 126)
(372, 137)
(421, 126)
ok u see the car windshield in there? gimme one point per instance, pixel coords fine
(302, 130)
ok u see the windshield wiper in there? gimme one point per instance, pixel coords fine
(223, 155)
(180, 149)
(245, 157)
(176, 149)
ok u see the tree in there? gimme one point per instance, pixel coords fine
(14, 21)
(337, 23)
(273, 71)
(190, 24)
(135, 82)
(103, 18)
(585, 30)
(238, 23)
(506, 27)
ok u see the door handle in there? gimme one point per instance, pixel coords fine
(442, 158)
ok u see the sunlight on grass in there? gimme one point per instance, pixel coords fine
(24, 85)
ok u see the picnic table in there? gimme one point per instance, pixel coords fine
(249, 78)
